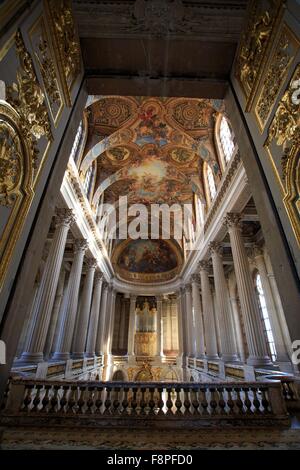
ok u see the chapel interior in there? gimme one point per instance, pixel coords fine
(110, 114)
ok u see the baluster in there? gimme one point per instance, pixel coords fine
(71, 399)
(143, 403)
(134, 401)
(54, 399)
(256, 401)
(213, 402)
(285, 390)
(27, 400)
(116, 402)
(98, 402)
(45, 400)
(63, 401)
(169, 402)
(221, 403)
(195, 401)
(81, 400)
(107, 403)
(90, 400)
(186, 402)
(230, 402)
(203, 401)
(125, 402)
(247, 401)
(264, 401)
(37, 398)
(160, 402)
(178, 402)
(238, 401)
(151, 402)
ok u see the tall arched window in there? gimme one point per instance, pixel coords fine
(76, 144)
(265, 317)
(211, 183)
(226, 139)
(88, 180)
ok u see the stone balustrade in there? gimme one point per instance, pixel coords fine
(45, 402)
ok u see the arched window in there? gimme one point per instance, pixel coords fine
(226, 139)
(211, 183)
(76, 144)
(265, 317)
(88, 180)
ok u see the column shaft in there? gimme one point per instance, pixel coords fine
(199, 330)
(94, 317)
(208, 313)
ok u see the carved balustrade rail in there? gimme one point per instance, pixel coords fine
(135, 404)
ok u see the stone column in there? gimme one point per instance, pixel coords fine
(258, 355)
(102, 319)
(84, 311)
(169, 326)
(228, 350)
(199, 330)
(131, 327)
(45, 299)
(94, 317)
(190, 322)
(159, 328)
(111, 322)
(208, 313)
(282, 356)
(174, 324)
(71, 303)
(55, 312)
(181, 335)
(238, 327)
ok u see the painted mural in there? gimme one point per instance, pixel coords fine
(147, 260)
(147, 256)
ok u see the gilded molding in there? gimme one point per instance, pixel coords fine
(254, 45)
(60, 19)
(276, 74)
(27, 98)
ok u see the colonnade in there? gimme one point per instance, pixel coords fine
(214, 324)
(60, 326)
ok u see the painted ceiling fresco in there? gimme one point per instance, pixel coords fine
(150, 149)
(147, 260)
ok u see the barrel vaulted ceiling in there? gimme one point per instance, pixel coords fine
(151, 150)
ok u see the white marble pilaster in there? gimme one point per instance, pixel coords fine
(258, 354)
(199, 330)
(208, 313)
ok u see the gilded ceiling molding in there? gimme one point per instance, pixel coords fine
(263, 18)
(59, 17)
(284, 131)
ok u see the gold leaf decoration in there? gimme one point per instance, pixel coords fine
(48, 73)
(27, 98)
(10, 163)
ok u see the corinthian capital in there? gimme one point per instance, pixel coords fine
(215, 247)
(232, 219)
(204, 265)
(80, 244)
(256, 251)
(91, 263)
(98, 276)
(64, 216)
(195, 278)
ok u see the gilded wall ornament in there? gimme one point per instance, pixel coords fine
(274, 79)
(10, 163)
(27, 98)
(48, 73)
(254, 44)
(61, 22)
